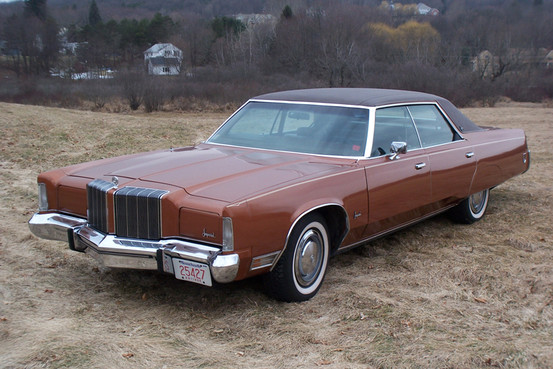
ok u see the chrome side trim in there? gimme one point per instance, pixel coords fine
(264, 261)
(121, 252)
(356, 158)
(414, 125)
(291, 102)
(370, 133)
(392, 230)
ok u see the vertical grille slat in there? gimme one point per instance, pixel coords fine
(153, 207)
(96, 193)
(138, 212)
(121, 220)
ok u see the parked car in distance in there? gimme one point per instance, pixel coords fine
(290, 179)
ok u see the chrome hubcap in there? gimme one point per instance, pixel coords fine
(308, 258)
(477, 202)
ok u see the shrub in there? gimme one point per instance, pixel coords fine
(133, 88)
(154, 93)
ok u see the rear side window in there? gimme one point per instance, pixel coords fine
(432, 127)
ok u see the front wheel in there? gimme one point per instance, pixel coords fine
(472, 208)
(300, 271)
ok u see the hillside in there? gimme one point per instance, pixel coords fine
(467, 51)
(71, 12)
(437, 295)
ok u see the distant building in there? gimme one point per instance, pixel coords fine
(490, 66)
(6, 50)
(486, 64)
(163, 60)
(409, 9)
(549, 59)
(424, 9)
(250, 20)
(70, 48)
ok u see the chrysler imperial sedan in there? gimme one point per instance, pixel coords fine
(290, 179)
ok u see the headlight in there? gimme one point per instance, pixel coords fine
(228, 235)
(42, 197)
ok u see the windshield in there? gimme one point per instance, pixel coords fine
(313, 129)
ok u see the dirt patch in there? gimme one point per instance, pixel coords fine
(435, 295)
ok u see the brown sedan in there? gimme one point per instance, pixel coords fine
(290, 179)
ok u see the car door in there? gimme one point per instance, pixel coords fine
(399, 189)
(451, 158)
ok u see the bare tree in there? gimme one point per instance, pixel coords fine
(340, 46)
(154, 94)
(34, 38)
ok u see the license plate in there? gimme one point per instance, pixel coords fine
(192, 272)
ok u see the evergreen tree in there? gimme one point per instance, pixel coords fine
(225, 26)
(287, 12)
(94, 14)
(36, 8)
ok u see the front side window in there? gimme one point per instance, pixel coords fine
(393, 124)
(431, 125)
(313, 129)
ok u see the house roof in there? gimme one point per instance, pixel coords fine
(158, 47)
(423, 8)
(371, 97)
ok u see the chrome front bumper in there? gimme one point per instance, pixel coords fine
(116, 252)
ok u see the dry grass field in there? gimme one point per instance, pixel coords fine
(437, 295)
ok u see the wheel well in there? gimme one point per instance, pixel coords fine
(337, 222)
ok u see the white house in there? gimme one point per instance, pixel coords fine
(424, 9)
(486, 64)
(251, 20)
(163, 60)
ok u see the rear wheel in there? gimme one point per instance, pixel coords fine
(300, 271)
(472, 208)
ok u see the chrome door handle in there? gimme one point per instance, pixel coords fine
(469, 154)
(420, 166)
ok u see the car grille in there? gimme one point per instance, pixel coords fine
(138, 212)
(96, 194)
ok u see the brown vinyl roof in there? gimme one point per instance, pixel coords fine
(371, 97)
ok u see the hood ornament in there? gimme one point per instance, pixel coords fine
(115, 181)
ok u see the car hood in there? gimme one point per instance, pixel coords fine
(221, 173)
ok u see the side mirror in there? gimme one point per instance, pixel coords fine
(396, 148)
